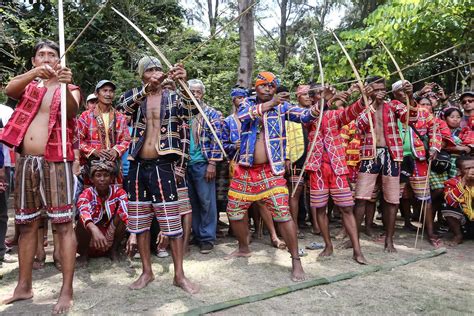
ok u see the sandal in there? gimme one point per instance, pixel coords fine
(315, 246)
(435, 242)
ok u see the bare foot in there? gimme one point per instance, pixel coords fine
(277, 243)
(238, 253)
(115, 256)
(389, 247)
(297, 272)
(81, 261)
(186, 285)
(38, 264)
(64, 303)
(455, 241)
(327, 252)
(18, 295)
(368, 231)
(142, 281)
(347, 244)
(360, 259)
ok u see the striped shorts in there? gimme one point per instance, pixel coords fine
(258, 183)
(43, 185)
(417, 182)
(184, 204)
(324, 182)
(152, 192)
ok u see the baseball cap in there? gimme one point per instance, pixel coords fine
(102, 83)
(466, 94)
(91, 97)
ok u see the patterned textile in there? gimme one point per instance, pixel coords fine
(239, 92)
(467, 133)
(324, 182)
(93, 209)
(329, 139)
(92, 133)
(437, 179)
(456, 212)
(302, 89)
(231, 136)
(367, 187)
(266, 77)
(425, 125)
(42, 184)
(105, 165)
(207, 142)
(26, 111)
(417, 181)
(153, 192)
(109, 234)
(458, 195)
(275, 132)
(258, 183)
(392, 111)
(184, 205)
(351, 143)
(175, 113)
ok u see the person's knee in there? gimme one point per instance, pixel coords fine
(346, 210)
(360, 203)
(321, 210)
(63, 228)
(29, 228)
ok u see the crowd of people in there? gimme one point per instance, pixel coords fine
(151, 172)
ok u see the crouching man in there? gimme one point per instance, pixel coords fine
(103, 214)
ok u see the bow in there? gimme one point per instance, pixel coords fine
(361, 87)
(399, 71)
(320, 119)
(180, 81)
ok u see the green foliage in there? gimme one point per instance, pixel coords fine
(110, 48)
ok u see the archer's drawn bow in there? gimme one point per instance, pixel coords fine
(364, 97)
(399, 71)
(183, 84)
(320, 119)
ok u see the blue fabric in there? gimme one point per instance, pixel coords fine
(125, 161)
(202, 195)
(274, 125)
(230, 136)
(209, 146)
(239, 92)
(195, 153)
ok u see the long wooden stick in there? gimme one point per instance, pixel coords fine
(183, 84)
(63, 85)
(400, 73)
(312, 283)
(80, 33)
(320, 119)
(425, 189)
(364, 97)
(191, 54)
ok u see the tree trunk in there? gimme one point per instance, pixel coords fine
(283, 51)
(247, 44)
(212, 15)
